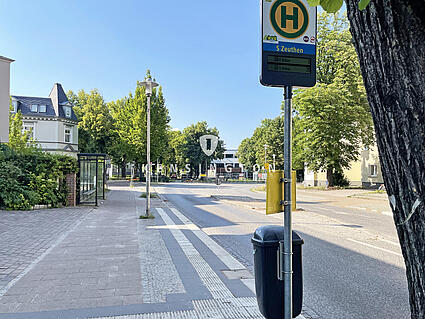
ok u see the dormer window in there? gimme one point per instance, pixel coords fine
(67, 111)
(42, 108)
(34, 108)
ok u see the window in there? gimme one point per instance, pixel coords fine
(29, 127)
(43, 109)
(373, 170)
(228, 155)
(67, 111)
(68, 135)
(34, 108)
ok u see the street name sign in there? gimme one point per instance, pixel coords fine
(288, 43)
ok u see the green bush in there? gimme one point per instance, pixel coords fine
(31, 177)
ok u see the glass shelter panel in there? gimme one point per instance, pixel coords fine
(91, 178)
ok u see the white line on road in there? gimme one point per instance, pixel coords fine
(387, 214)
(356, 207)
(372, 246)
(219, 251)
(390, 242)
(208, 276)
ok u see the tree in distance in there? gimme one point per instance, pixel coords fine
(130, 125)
(333, 118)
(94, 121)
(187, 147)
(251, 151)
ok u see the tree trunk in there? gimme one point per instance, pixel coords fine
(330, 177)
(389, 36)
(123, 169)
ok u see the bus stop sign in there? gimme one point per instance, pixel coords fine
(288, 43)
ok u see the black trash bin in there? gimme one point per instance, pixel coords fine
(268, 287)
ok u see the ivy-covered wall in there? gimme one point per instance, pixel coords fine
(32, 177)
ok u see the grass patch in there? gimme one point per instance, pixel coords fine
(147, 217)
(153, 195)
(261, 188)
(320, 188)
(378, 191)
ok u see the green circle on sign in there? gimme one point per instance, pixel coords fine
(278, 29)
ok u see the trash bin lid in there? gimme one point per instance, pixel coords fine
(272, 234)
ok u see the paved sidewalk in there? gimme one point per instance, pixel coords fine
(114, 264)
(26, 236)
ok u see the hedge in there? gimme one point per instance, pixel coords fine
(32, 177)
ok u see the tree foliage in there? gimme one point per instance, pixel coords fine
(334, 119)
(252, 151)
(187, 147)
(130, 124)
(94, 121)
(18, 139)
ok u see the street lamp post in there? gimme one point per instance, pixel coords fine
(149, 85)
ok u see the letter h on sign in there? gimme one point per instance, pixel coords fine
(286, 17)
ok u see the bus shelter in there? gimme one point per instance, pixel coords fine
(92, 178)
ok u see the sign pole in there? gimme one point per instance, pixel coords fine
(287, 236)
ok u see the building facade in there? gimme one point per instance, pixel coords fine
(366, 172)
(51, 121)
(227, 167)
(4, 98)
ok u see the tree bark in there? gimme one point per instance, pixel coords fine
(389, 37)
(123, 169)
(330, 176)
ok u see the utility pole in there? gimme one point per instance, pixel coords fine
(149, 85)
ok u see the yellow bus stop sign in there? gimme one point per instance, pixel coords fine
(275, 192)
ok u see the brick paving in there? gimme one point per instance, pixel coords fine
(24, 236)
(96, 264)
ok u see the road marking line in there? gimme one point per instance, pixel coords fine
(207, 275)
(219, 251)
(372, 246)
(356, 207)
(390, 242)
(250, 283)
(387, 213)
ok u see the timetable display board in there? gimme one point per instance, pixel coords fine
(288, 43)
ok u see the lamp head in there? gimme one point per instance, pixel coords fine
(149, 85)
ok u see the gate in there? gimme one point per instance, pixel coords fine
(91, 178)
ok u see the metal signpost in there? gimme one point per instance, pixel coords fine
(288, 59)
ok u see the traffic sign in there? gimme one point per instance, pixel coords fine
(288, 43)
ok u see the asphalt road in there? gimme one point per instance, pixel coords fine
(352, 263)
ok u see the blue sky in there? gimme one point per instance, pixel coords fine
(205, 54)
